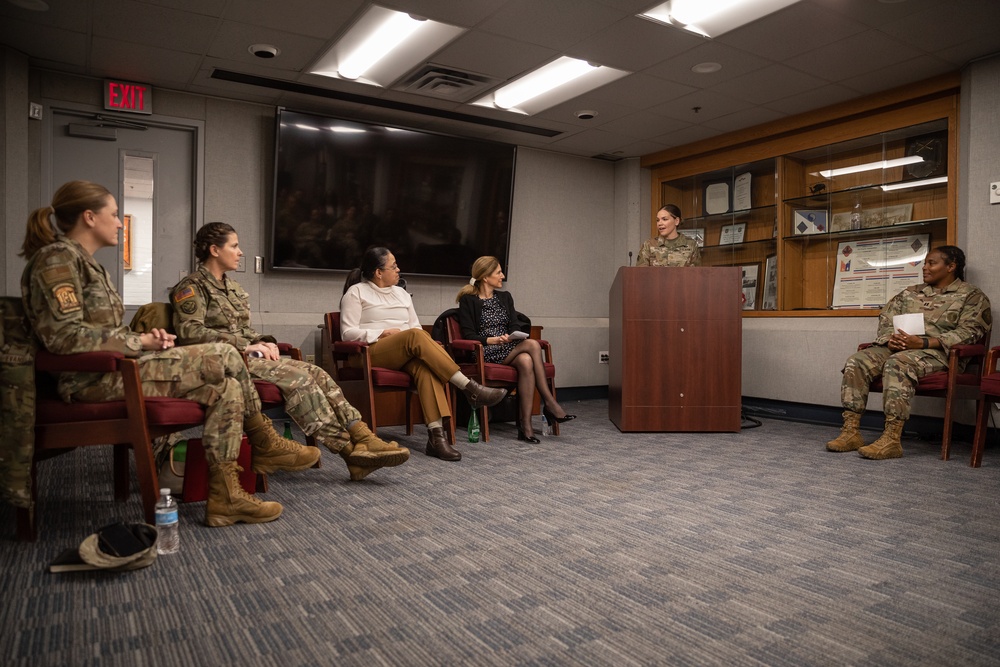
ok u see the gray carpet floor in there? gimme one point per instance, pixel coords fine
(592, 548)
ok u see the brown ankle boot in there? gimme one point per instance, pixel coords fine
(849, 439)
(367, 452)
(271, 452)
(483, 397)
(888, 446)
(437, 445)
(229, 503)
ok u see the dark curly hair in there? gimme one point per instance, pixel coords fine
(953, 255)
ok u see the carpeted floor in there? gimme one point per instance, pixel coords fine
(593, 548)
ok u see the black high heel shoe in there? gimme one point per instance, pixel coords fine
(530, 439)
(553, 419)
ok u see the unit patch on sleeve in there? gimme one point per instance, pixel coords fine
(65, 295)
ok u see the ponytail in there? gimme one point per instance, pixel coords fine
(481, 268)
(371, 261)
(69, 202)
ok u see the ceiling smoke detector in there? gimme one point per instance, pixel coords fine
(585, 114)
(264, 50)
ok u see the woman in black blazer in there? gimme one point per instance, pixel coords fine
(487, 314)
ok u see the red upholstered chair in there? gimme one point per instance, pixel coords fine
(128, 423)
(468, 354)
(950, 384)
(351, 361)
(989, 393)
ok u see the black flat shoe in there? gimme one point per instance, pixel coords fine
(553, 419)
(530, 439)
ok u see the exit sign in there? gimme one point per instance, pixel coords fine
(128, 97)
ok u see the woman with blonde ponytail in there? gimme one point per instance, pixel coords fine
(486, 314)
(73, 307)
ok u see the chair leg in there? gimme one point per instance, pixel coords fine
(484, 424)
(979, 441)
(145, 467)
(409, 413)
(946, 436)
(552, 390)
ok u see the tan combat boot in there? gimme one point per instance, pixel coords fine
(850, 435)
(229, 503)
(271, 452)
(888, 445)
(367, 452)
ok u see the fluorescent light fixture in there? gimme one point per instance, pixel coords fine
(303, 126)
(382, 46)
(559, 81)
(915, 184)
(711, 18)
(340, 129)
(870, 166)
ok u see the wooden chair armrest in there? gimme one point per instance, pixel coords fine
(466, 345)
(349, 346)
(81, 362)
(967, 350)
(290, 350)
(864, 346)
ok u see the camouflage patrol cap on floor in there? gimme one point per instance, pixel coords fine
(93, 552)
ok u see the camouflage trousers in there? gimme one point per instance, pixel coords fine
(312, 399)
(210, 374)
(900, 373)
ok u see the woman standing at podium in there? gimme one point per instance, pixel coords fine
(669, 247)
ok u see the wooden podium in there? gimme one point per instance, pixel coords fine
(676, 349)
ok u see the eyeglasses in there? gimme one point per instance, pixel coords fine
(394, 267)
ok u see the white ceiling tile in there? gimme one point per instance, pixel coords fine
(140, 23)
(710, 104)
(743, 119)
(314, 19)
(814, 99)
(492, 55)
(556, 24)
(771, 83)
(898, 75)
(232, 42)
(796, 29)
(142, 62)
(633, 44)
(734, 63)
(642, 124)
(865, 51)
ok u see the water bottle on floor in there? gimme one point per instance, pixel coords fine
(473, 427)
(288, 430)
(168, 540)
(546, 426)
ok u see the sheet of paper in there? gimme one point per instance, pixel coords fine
(911, 323)
(518, 335)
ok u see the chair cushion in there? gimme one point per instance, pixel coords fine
(383, 378)
(936, 381)
(159, 411)
(501, 372)
(991, 384)
(269, 393)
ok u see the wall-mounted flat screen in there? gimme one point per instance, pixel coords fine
(437, 202)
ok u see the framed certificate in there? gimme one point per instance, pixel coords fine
(769, 298)
(741, 192)
(716, 198)
(697, 234)
(732, 234)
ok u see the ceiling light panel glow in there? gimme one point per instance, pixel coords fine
(711, 18)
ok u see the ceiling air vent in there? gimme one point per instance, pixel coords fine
(446, 83)
(608, 156)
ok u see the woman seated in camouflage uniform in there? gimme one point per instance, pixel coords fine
(73, 307)
(210, 307)
(669, 247)
(955, 313)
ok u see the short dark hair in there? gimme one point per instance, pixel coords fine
(211, 234)
(953, 255)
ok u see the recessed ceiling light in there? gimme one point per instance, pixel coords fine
(264, 50)
(560, 80)
(706, 68)
(585, 114)
(711, 18)
(32, 5)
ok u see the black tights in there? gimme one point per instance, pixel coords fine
(527, 359)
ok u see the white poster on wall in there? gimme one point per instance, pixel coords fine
(871, 272)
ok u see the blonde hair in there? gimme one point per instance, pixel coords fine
(68, 204)
(481, 268)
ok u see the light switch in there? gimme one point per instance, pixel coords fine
(995, 192)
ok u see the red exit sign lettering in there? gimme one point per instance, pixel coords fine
(128, 97)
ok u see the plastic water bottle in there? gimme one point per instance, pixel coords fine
(168, 540)
(288, 430)
(473, 427)
(546, 426)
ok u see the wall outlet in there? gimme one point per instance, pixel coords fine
(242, 266)
(258, 264)
(34, 111)
(310, 358)
(995, 192)
(603, 357)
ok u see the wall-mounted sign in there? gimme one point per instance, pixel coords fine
(128, 96)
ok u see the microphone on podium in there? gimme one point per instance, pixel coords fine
(630, 258)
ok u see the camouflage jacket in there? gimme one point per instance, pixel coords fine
(73, 307)
(207, 310)
(17, 403)
(958, 314)
(681, 251)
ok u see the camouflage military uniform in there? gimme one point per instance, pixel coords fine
(958, 314)
(73, 307)
(209, 310)
(660, 251)
(17, 403)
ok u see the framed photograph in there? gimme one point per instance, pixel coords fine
(769, 297)
(732, 234)
(127, 241)
(697, 234)
(807, 221)
(882, 216)
(751, 273)
(716, 198)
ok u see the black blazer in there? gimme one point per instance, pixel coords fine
(470, 316)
